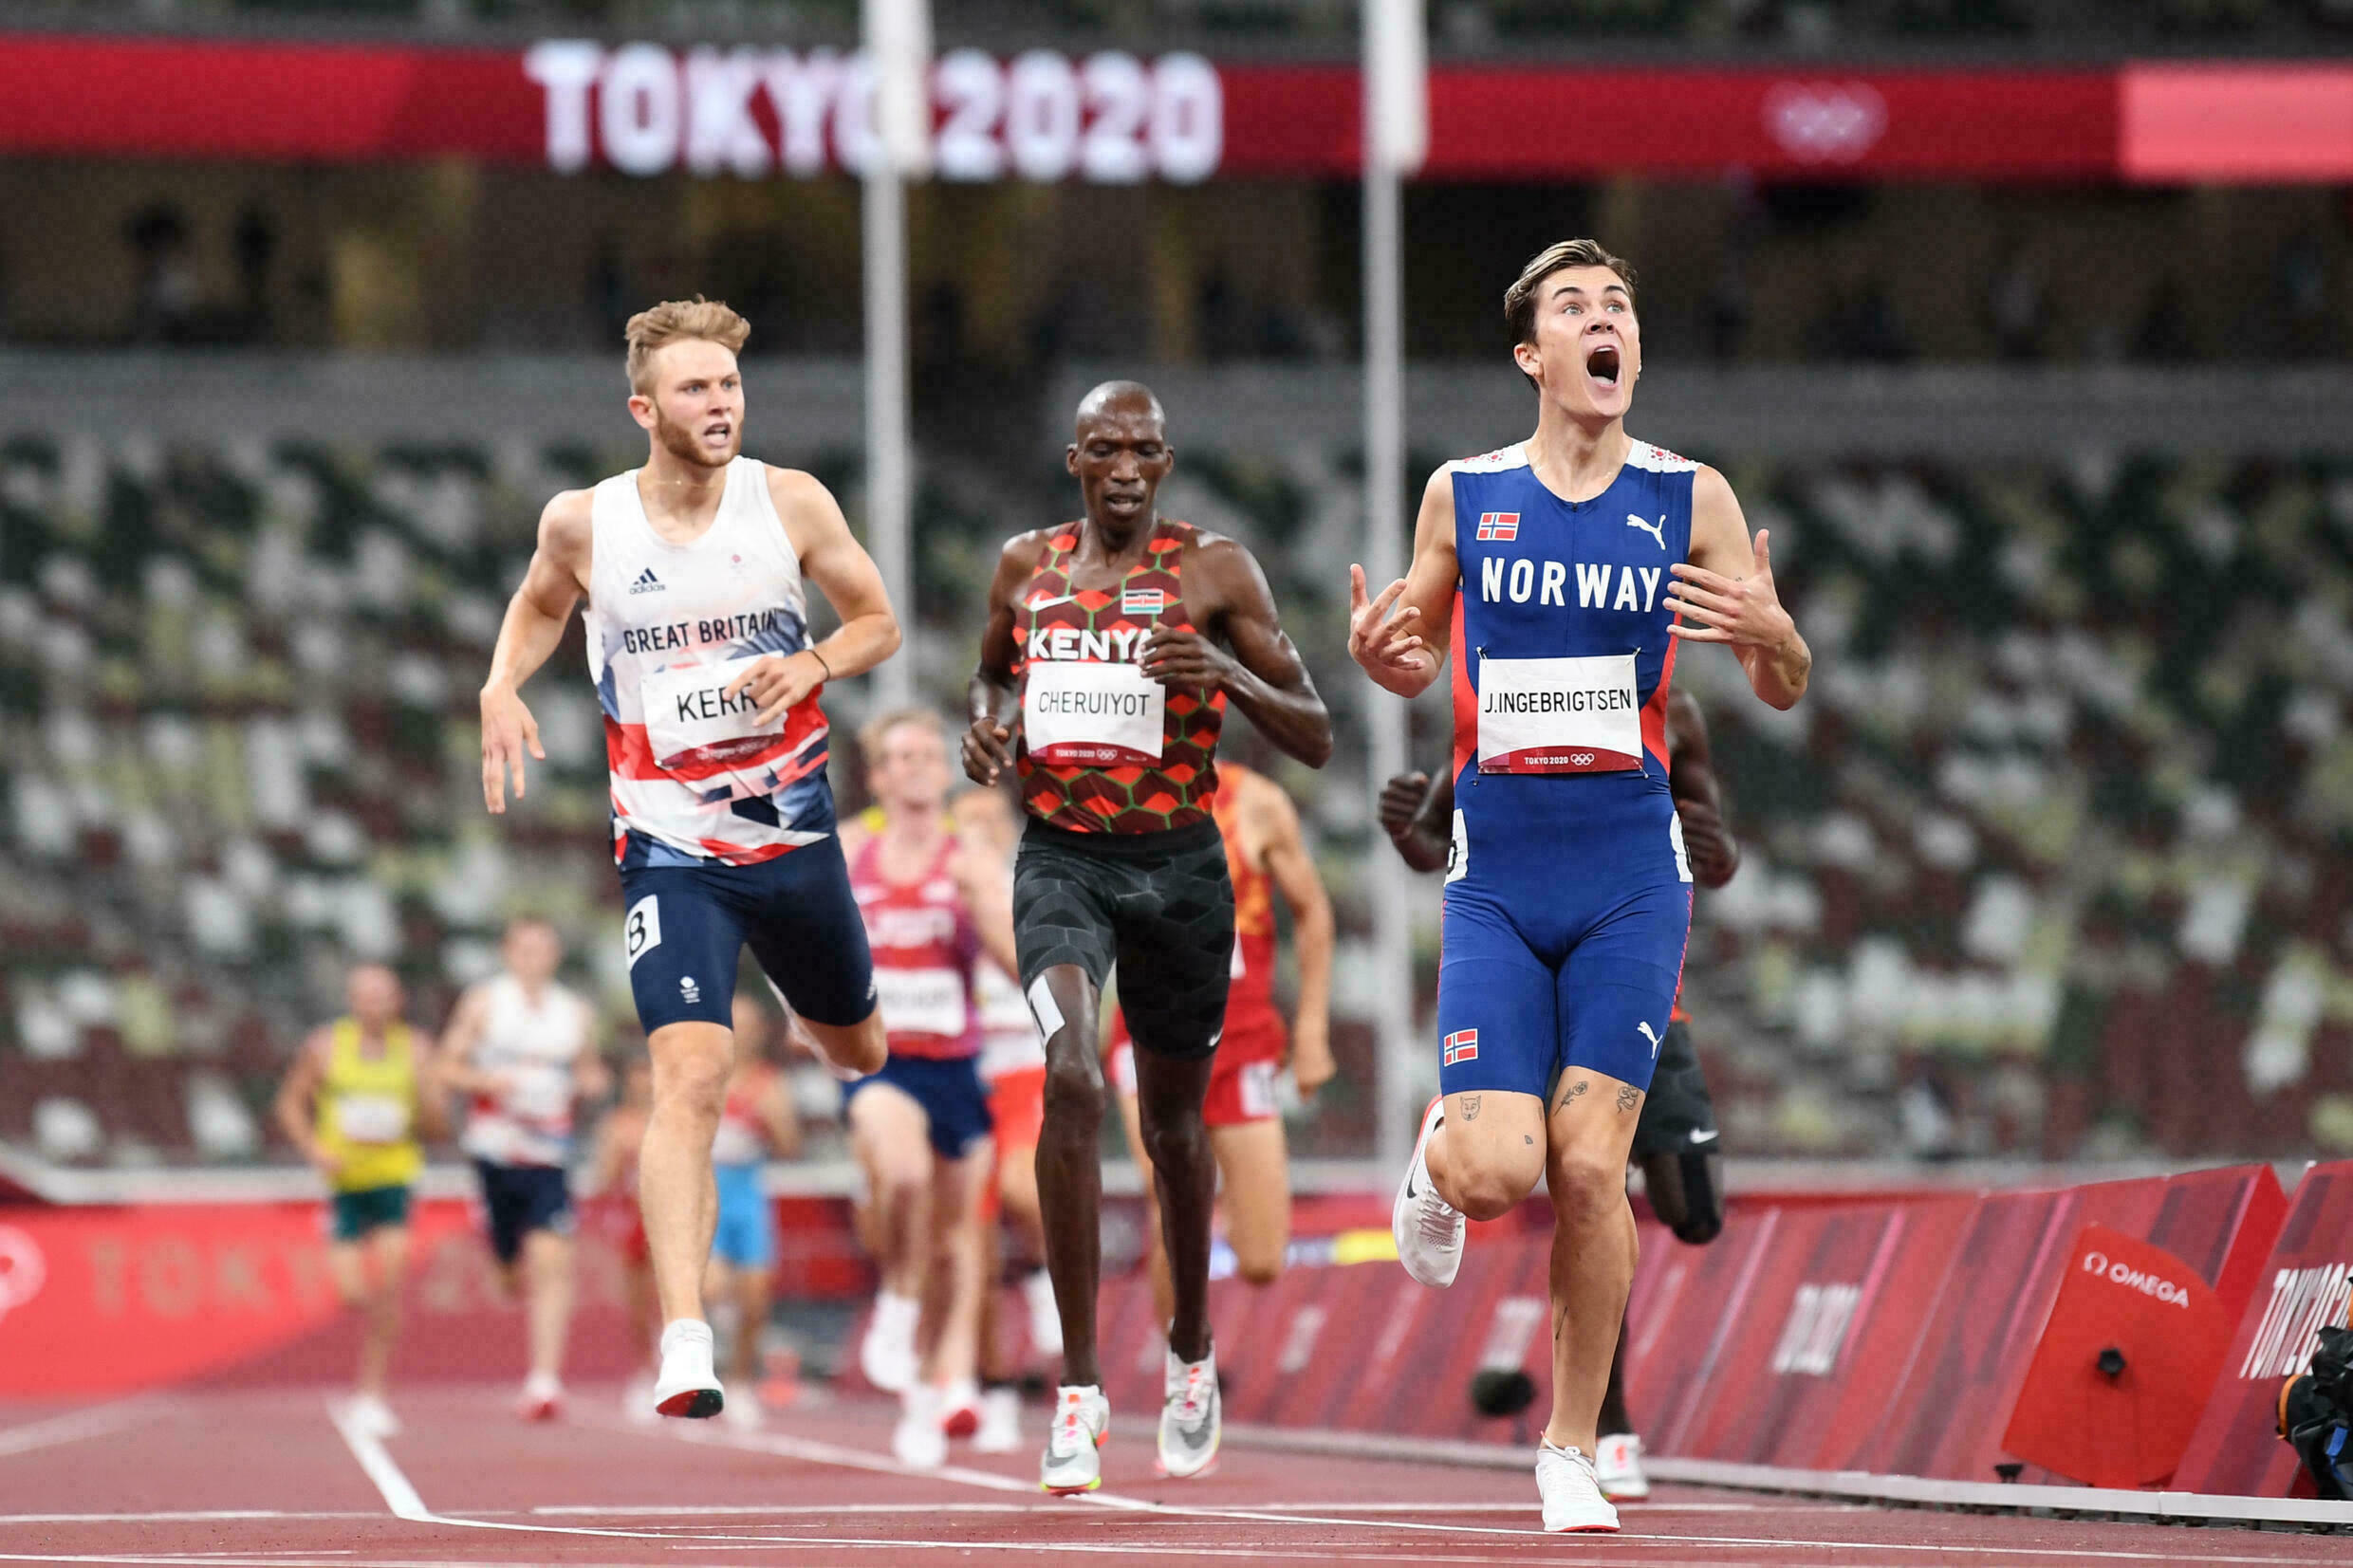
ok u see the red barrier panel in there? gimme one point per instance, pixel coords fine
(2307, 1282)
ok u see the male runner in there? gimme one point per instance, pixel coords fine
(1565, 567)
(356, 1102)
(756, 1122)
(723, 823)
(524, 1048)
(1675, 1140)
(1113, 645)
(1264, 855)
(920, 1126)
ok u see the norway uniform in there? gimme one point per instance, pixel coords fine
(1122, 864)
(1568, 900)
(723, 827)
(520, 1137)
(925, 949)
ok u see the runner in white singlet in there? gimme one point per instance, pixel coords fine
(524, 1048)
(723, 825)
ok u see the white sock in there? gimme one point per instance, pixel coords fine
(898, 1312)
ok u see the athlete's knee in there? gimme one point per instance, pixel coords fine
(1074, 1087)
(1259, 1264)
(1174, 1138)
(690, 1072)
(1487, 1189)
(1584, 1184)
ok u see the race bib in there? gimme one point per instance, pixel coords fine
(922, 1002)
(690, 718)
(372, 1119)
(541, 1094)
(1088, 715)
(1559, 716)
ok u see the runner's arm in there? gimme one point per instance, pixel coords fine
(454, 1061)
(1725, 594)
(1293, 872)
(592, 1077)
(1713, 852)
(987, 891)
(533, 628)
(992, 698)
(1423, 830)
(1404, 653)
(1263, 675)
(297, 1104)
(832, 559)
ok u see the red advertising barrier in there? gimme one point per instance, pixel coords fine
(2307, 1282)
(107, 1300)
(648, 109)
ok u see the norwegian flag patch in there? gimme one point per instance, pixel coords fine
(1499, 524)
(1462, 1046)
(1143, 601)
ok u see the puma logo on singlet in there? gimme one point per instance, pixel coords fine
(1645, 1027)
(1656, 530)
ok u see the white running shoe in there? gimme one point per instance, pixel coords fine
(1045, 1317)
(1618, 1466)
(1572, 1498)
(370, 1414)
(1081, 1421)
(686, 1386)
(1427, 1227)
(1000, 1422)
(959, 1408)
(542, 1398)
(917, 1439)
(886, 1355)
(1191, 1418)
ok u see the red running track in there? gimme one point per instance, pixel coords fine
(266, 1479)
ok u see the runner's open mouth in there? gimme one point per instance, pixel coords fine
(1601, 364)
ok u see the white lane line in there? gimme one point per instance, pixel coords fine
(178, 1516)
(378, 1466)
(72, 1427)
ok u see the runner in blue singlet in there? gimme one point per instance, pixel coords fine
(1563, 572)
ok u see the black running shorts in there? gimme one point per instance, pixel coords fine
(1156, 906)
(1678, 1117)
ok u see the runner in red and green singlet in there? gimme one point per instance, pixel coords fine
(1114, 647)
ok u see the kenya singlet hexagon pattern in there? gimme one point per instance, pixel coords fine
(1176, 792)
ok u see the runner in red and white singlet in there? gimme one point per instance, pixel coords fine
(919, 1127)
(1267, 854)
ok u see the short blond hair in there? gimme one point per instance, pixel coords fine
(680, 320)
(870, 733)
(1519, 300)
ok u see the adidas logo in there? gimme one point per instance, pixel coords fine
(647, 582)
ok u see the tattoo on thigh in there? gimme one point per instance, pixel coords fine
(1525, 1138)
(1628, 1098)
(1574, 1090)
(1469, 1107)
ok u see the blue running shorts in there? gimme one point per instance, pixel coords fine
(746, 1236)
(1535, 986)
(519, 1199)
(954, 1099)
(686, 920)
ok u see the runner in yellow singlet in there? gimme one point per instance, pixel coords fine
(356, 1105)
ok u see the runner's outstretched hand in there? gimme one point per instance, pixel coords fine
(1386, 646)
(1745, 611)
(508, 732)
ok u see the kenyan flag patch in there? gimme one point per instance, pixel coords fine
(1143, 601)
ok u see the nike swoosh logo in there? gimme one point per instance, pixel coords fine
(1049, 603)
(1708, 1136)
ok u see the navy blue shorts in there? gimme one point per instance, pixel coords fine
(686, 922)
(519, 1199)
(950, 1091)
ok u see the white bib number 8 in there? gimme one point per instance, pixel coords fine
(640, 928)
